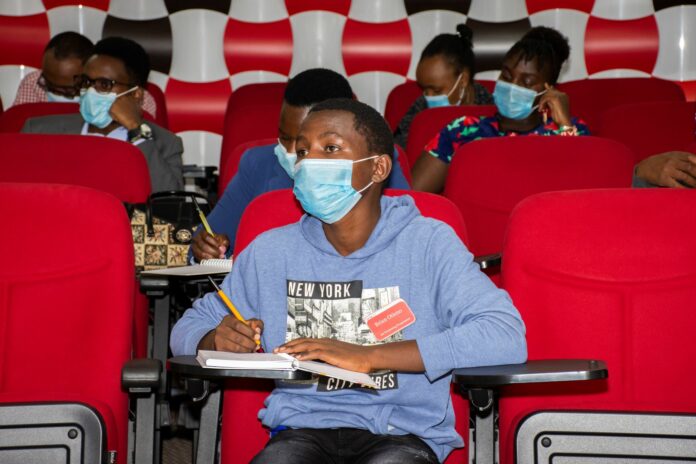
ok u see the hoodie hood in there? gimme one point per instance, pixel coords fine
(397, 213)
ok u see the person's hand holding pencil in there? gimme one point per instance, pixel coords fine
(234, 333)
(206, 243)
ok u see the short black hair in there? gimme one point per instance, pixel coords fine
(316, 85)
(366, 121)
(545, 45)
(70, 45)
(134, 57)
(457, 49)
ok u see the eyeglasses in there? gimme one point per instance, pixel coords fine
(100, 84)
(64, 90)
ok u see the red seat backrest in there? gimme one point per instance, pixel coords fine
(399, 101)
(66, 299)
(252, 114)
(590, 97)
(96, 162)
(427, 124)
(234, 157)
(162, 117)
(279, 208)
(14, 118)
(650, 128)
(487, 178)
(610, 275)
(242, 434)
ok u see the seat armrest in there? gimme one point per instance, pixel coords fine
(153, 285)
(139, 375)
(541, 371)
(489, 261)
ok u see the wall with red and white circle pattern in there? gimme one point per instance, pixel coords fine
(202, 50)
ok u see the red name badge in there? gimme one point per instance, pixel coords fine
(391, 319)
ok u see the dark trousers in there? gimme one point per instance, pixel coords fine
(344, 446)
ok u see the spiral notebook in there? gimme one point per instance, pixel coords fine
(206, 267)
(281, 361)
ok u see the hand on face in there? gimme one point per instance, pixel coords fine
(556, 104)
(205, 246)
(671, 169)
(235, 336)
(126, 111)
(340, 354)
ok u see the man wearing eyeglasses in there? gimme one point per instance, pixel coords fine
(111, 92)
(61, 67)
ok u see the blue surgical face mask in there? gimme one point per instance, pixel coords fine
(436, 101)
(324, 187)
(286, 159)
(55, 98)
(514, 101)
(95, 106)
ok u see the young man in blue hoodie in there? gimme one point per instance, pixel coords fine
(308, 288)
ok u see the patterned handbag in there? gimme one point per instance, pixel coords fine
(163, 229)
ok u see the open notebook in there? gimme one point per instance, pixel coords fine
(206, 267)
(281, 361)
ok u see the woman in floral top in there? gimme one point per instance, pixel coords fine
(527, 102)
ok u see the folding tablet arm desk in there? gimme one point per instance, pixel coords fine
(482, 383)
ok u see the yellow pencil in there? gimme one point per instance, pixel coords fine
(229, 305)
(203, 219)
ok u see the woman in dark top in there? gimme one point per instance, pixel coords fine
(445, 72)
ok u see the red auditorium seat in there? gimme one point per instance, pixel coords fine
(399, 101)
(99, 163)
(233, 158)
(242, 433)
(590, 97)
(162, 117)
(487, 178)
(651, 127)
(428, 123)
(603, 274)
(252, 114)
(13, 119)
(67, 312)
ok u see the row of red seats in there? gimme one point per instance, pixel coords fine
(486, 178)
(252, 113)
(50, 162)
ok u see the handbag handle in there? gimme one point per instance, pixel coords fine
(168, 194)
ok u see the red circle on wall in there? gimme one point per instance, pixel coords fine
(376, 47)
(631, 44)
(258, 46)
